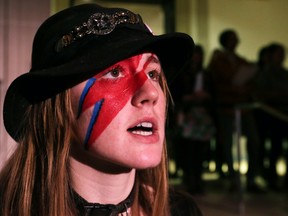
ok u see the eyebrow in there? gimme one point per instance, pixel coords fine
(154, 59)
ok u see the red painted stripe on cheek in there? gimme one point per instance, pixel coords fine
(116, 94)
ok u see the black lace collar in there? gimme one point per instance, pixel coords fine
(96, 209)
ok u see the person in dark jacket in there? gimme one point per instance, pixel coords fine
(194, 121)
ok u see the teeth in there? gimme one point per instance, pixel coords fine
(143, 129)
(145, 124)
(143, 133)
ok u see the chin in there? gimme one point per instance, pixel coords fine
(147, 162)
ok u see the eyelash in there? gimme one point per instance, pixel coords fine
(112, 72)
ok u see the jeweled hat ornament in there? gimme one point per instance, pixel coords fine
(79, 42)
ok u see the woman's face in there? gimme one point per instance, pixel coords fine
(121, 113)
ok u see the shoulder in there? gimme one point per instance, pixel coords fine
(217, 53)
(183, 204)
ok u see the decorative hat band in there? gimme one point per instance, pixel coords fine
(97, 24)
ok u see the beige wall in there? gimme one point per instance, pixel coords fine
(258, 22)
(19, 20)
(57, 5)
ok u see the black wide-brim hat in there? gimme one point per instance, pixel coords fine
(79, 42)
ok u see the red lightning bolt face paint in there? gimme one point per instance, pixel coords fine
(109, 91)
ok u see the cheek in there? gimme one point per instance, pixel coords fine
(75, 96)
(162, 108)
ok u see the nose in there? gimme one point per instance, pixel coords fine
(147, 95)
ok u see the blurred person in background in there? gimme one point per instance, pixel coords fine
(233, 78)
(195, 124)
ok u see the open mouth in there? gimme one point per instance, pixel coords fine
(143, 128)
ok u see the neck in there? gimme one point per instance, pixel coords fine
(97, 186)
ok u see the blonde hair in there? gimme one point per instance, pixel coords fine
(35, 179)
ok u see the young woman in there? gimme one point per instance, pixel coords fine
(90, 117)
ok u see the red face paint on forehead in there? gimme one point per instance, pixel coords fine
(116, 92)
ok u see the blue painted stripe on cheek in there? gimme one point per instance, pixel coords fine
(85, 91)
(93, 119)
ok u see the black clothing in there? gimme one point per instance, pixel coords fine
(181, 204)
(96, 209)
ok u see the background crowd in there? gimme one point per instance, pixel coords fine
(206, 98)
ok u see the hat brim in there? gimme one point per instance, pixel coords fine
(173, 50)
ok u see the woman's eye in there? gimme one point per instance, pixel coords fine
(114, 73)
(154, 75)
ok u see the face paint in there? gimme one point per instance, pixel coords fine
(110, 95)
